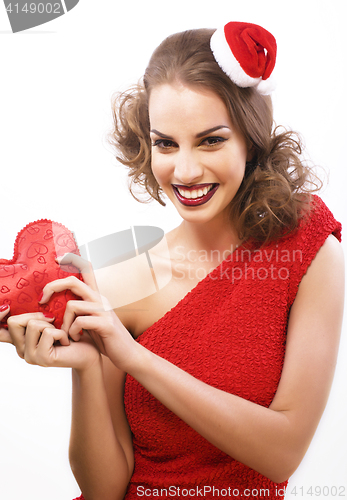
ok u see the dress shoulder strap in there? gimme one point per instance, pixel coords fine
(313, 230)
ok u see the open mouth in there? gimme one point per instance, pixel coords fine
(195, 195)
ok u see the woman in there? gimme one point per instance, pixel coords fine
(230, 365)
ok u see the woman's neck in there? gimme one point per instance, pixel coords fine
(211, 236)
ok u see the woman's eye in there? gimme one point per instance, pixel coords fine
(163, 144)
(212, 141)
(167, 144)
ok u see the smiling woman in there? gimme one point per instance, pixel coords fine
(192, 132)
(193, 160)
(198, 194)
(271, 193)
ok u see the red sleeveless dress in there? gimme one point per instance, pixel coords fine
(229, 332)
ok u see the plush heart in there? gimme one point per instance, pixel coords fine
(33, 266)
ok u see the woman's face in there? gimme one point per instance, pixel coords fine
(198, 157)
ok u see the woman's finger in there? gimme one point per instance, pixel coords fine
(17, 328)
(84, 266)
(91, 324)
(75, 308)
(75, 355)
(72, 283)
(4, 334)
(39, 342)
(4, 310)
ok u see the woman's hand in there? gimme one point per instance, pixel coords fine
(39, 343)
(92, 314)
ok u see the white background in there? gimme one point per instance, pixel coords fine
(55, 88)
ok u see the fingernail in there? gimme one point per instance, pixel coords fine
(48, 316)
(81, 332)
(40, 297)
(3, 308)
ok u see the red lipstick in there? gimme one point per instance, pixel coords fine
(189, 202)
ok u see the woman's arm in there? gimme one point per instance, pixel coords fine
(101, 451)
(101, 455)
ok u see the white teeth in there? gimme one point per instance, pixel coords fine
(197, 193)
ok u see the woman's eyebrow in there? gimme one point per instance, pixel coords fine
(210, 130)
(200, 134)
(156, 132)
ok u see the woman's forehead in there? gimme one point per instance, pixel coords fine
(171, 102)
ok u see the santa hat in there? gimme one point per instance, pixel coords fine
(246, 53)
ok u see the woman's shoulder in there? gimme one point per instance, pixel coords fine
(140, 290)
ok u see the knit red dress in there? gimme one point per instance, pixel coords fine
(229, 332)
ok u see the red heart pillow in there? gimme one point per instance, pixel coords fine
(33, 266)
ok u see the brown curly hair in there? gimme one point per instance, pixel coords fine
(275, 191)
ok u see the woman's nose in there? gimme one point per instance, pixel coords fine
(188, 169)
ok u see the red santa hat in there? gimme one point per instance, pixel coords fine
(246, 53)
